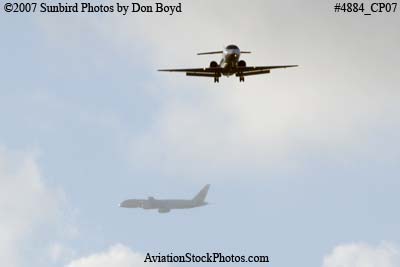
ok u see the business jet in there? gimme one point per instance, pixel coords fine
(166, 205)
(230, 64)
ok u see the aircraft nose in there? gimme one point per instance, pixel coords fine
(122, 204)
(234, 53)
(131, 203)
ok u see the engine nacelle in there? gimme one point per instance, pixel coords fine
(213, 64)
(163, 210)
(242, 63)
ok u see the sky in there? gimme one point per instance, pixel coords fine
(303, 163)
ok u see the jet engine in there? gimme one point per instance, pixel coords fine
(163, 210)
(242, 63)
(213, 64)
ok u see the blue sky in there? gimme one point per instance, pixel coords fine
(303, 163)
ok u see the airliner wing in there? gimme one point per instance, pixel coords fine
(199, 72)
(244, 69)
(240, 71)
(247, 71)
(219, 69)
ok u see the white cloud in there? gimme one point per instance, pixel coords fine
(254, 128)
(60, 252)
(26, 204)
(117, 256)
(363, 255)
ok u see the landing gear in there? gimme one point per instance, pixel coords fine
(241, 79)
(216, 79)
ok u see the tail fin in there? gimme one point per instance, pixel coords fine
(201, 196)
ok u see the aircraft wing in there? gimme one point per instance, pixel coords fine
(240, 71)
(247, 71)
(202, 72)
(184, 70)
(244, 69)
(219, 69)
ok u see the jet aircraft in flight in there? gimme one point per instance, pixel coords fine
(166, 205)
(230, 64)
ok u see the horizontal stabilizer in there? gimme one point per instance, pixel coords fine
(210, 53)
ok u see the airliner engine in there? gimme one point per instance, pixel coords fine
(213, 64)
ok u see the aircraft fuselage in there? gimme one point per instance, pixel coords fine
(152, 203)
(166, 205)
(229, 61)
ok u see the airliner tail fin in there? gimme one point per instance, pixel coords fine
(201, 196)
